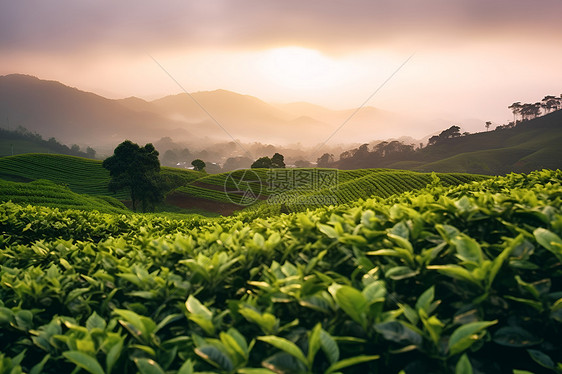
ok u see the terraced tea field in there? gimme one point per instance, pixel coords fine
(46, 193)
(348, 186)
(207, 192)
(81, 175)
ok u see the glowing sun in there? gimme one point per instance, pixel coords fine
(301, 68)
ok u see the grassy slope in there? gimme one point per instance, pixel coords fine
(50, 194)
(532, 145)
(87, 176)
(81, 175)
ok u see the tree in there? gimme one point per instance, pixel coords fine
(380, 148)
(137, 169)
(198, 165)
(278, 161)
(326, 160)
(303, 164)
(549, 103)
(212, 168)
(516, 109)
(170, 158)
(348, 154)
(262, 162)
(75, 148)
(488, 124)
(451, 132)
(530, 111)
(362, 151)
(185, 155)
(433, 140)
(240, 162)
(90, 152)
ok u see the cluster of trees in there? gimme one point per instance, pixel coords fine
(527, 111)
(173, 157)
(136, 169)
(239, 162)
(21, 133)
(452, 132)
(182, 157)
(277, 161)
(380, 154)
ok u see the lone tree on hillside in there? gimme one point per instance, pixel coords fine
(488, 124)
(198, 165)
(137, 169)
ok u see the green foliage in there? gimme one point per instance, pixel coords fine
(262, 163)
(22, 140)
(198, 165)
(352, 185)
(81, 175)
(443, 279)
(277, 161)
(135, 169)
(47, 193)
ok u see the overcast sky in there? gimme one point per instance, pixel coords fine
(471, 58)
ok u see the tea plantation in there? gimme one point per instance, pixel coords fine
(442, 279)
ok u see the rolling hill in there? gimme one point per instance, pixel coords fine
(74, 116)
(48, 193)
(346, 187)
(81, 175)
(531, 145)
(206, 193)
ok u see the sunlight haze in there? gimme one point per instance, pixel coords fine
(471, 58)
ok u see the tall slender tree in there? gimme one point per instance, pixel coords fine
(516, 109)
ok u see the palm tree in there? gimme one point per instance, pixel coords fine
(488, 124)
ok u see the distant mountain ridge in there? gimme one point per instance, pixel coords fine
(51, 108)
